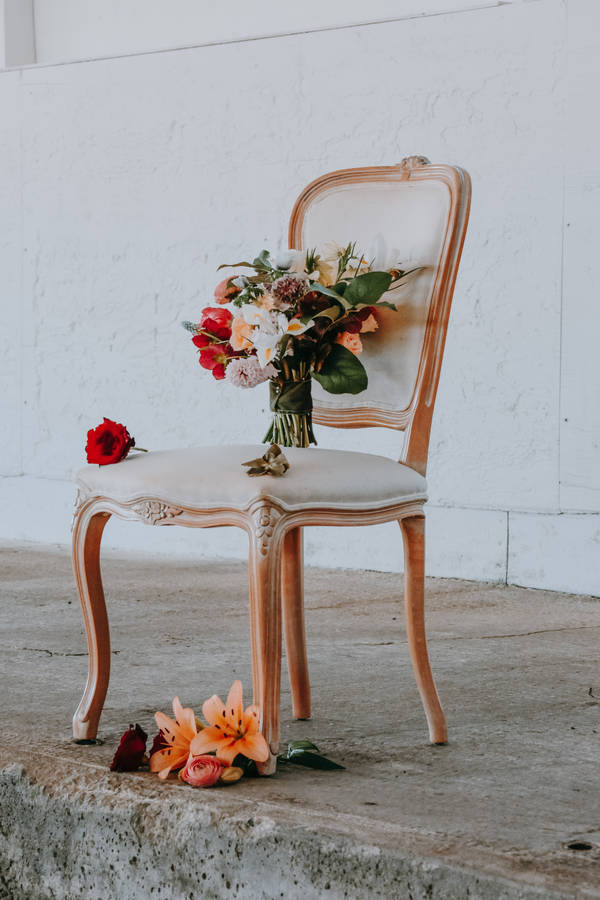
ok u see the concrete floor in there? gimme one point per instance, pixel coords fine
(488, 816)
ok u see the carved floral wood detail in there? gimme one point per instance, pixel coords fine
(155, 512)
(264, 518)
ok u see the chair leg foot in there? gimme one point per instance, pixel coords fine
(293, 618)
(87, 534)
(413, 533)
(265, 625)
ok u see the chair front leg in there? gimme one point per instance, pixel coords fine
(266, 541)
(87, 534)
(293, 618)
(413, 533)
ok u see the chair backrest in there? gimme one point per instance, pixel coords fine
(409, 215)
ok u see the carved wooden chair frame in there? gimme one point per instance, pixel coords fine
(274, 532)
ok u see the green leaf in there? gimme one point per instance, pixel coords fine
(329, 292)
(332, 313)
(235, 266)
(367, 288)
(342, 372)
(305, 753)
(262, 261)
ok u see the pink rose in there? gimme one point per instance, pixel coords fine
(351, 342)
(202, 771)
(226, 291)
(369, 324)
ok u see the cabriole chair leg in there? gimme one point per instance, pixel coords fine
(413, 533)
(265, 556)
(87, 534)
(293, 618)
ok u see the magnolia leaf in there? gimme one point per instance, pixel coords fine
(384, 304)
(367, 288)
(305, 753)
(234, 266)
(332, 313)
(342, 372)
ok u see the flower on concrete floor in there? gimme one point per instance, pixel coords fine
(202, 771)
(177, 736)
(130, 751)
(231, 730)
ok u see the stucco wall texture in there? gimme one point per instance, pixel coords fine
(125, 181)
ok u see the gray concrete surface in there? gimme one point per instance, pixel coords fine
(488, 816)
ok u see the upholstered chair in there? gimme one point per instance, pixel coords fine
(414, 212)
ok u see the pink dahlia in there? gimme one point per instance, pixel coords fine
(247, 372)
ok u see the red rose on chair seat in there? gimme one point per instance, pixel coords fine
(216, 321)
(108, 443)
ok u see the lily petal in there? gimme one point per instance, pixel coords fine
(185, 718)
(254, 746)
(250, 721)
(209, 739)
(235, 707)
(213, 711)
(164, 760)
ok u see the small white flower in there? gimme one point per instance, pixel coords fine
(290, 260)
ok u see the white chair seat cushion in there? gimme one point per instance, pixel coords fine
(213, 477)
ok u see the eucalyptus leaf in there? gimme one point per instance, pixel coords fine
(367, 288)
(342, 372)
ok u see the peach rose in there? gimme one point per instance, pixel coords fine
(241, 333)
(369, 324)
(202, 771)
(351, 342)
(224, 292)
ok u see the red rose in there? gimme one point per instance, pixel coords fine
(130, 751)
(202, 771)
(201, 340)
(215, 359)
(216, 321)
(354, 321)
(108, 443)
(225, 291)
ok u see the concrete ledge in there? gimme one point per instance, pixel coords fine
(91, 834)
(488, 817)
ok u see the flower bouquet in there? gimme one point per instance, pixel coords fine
(293, 317)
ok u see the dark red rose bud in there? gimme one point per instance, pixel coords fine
(108, 443)
(158, 743)
(130, 751)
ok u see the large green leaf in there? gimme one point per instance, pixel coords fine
(367, 288)
(342, 372)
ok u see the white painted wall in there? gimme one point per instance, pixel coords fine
(125, 181)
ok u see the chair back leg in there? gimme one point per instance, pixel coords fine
(293, 618)
(87, 535)
(413, 533)
(266, 543)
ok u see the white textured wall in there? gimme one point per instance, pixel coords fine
(125, 181)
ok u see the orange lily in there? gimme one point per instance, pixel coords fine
(232, 730)
(178, 735)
